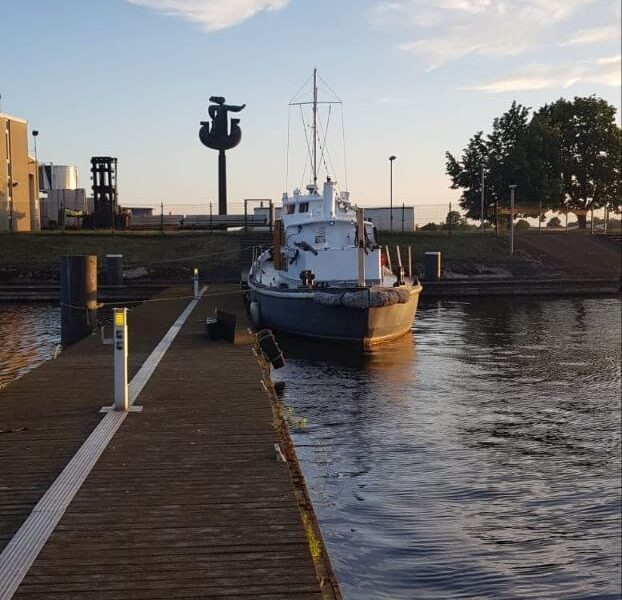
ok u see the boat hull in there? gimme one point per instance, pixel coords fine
(299, 314)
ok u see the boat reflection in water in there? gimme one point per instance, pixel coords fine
(395, 357)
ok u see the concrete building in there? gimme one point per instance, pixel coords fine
(19, 178)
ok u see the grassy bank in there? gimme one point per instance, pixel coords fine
(535, 255)
(169, 257)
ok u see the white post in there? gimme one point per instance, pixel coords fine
(120, 359)
(360, 224)
(512, 190)
(195, 281)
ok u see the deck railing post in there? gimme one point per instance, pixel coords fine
(120, 359)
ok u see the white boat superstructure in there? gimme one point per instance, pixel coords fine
(319, 238)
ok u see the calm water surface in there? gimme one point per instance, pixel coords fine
(479, 458)
(29, 334)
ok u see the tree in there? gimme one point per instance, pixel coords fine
(567, 156)
(554, 223)
(500, 155)
(453, 220)
(522, 224)
(466, 174)
(589, 158)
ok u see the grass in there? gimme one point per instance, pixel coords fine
(167, 257)
(464, 253)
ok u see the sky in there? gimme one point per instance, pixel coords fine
(132, 79)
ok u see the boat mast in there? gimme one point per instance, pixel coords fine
(315, 129)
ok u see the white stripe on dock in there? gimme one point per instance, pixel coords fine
(21, 552)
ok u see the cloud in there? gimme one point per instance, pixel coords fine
(212, 14)
(603, 71)
(446, 30)
(596, 35)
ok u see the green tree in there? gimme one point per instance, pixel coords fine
(466, 174)
(589, 157)
(453, 220)
(501, 155)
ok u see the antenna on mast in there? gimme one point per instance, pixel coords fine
(315, 128)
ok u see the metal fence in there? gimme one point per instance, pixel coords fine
(448, 218)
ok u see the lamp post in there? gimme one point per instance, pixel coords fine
(35, 134)
(512, 190)
(391, 159)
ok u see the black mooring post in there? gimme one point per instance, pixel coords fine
(222, 183)
(78, 297)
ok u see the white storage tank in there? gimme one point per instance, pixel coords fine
(58, 177)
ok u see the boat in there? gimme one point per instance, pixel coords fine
(325, 276)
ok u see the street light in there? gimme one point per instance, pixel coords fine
(35, 133)
(391, 159)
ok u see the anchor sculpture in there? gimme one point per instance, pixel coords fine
(220, 137)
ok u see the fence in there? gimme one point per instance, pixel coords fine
(448, 218)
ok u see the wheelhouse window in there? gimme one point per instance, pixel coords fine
(303, 207)
(290, 209)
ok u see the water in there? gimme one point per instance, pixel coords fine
(478, 459)
(29, 334)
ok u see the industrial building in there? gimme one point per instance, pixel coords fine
(19, 178)
(63, 203)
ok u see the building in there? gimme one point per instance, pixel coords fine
(140, 211)
(19, 178)
(403, 218)
(63, 203)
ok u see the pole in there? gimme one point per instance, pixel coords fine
(496, 219)
(360, 228)
(400, 268)
(410, 261)
(388, 258)
(449, 219)
(162, 218)
(315, 129)
(78, 297)
(222, 183)
(120, 359)
(512, 189)
(566, 219)
(195, 283)
(481, 214)
(402, 217)
(592, 219)
(391, 159)
(606, 218)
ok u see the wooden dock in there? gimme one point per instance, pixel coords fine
(186, 499)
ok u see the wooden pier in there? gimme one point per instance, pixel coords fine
(184, 499)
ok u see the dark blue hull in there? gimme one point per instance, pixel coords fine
(297, 313)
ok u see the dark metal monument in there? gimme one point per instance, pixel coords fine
(219, 136)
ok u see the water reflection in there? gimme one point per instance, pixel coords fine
(484, 465)
(29, 334)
